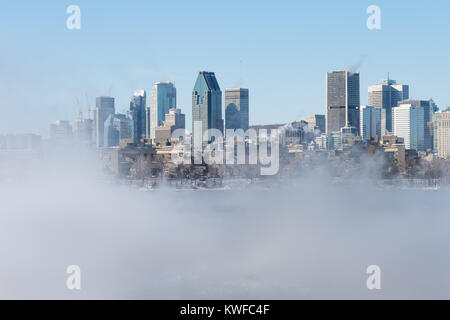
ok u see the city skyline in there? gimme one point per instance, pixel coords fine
(342, 91)
(94, 61)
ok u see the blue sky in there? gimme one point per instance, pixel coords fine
(286, 47)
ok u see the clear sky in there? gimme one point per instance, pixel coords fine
(286, 47)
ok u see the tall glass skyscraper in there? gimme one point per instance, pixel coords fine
(408, 123)
(387, 95)
(371, 124)
(138, 114)
(163, 97)
(104, 108)
(429, 108)
(117, 127)
(206, 103)
(236, 109)
(342, 100)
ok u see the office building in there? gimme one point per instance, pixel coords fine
(316, 122)
(236, 109)
(104, 108)
(371, 122)
(61, 132)
(173, 120)
(443, 135)
(117, 127)
(206, 105)
(342, 95)
(386, 95)
(408, 123)
(138, 114)
(84, 130)
(436, 117)
(429, 109)
(163, 97)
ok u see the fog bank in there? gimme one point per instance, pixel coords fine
(312, 239)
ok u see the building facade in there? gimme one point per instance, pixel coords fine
(236, 109)
(429, 106)
(316, 122)
(104, 108)
(371, 122)
(117, 127)
(387, 95)
(206, 105)
(163, 97)
(408, 123)
(138, 108)
(61, 132)
(443, 135)
(343, 101)
(84, 130)
(173, 120)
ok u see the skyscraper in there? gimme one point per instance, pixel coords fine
(61, 132)
(117, 127)
(408, 123)
(387, 95)
(163, 97)
(104, 108)
(206, 104)
(436, 117)
(316, 122)
(174, 120)
(138, 114)
(343, 101)
(236, 109)
(429, 107)
(371, 122)
(443, 135)
(83, 130)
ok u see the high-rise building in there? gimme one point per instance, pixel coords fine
(147, 122)
(436, 117)
(349, 136)
(61, 132)
(206, 104)
(343, 100)
(236, 109)
(408, 123)
(104, 108)
(117, 127)
(443, 135)
(316, 122)
(138, 114)
(174, 120)
(163, 97)
(84, 130)
(386, 95)
(429, 108)
(371, 122)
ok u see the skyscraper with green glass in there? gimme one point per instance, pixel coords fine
(206, 105)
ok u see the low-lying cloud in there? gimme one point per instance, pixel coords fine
(302, 239)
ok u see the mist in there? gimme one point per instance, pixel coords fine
(298, 238)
